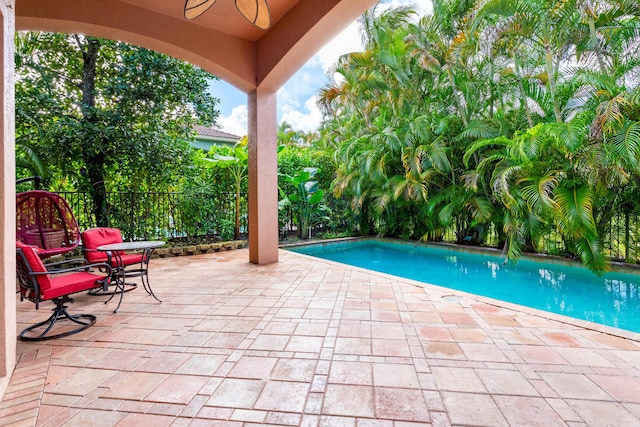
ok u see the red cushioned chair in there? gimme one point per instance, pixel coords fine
(94, 237)
(38, 284)
(118, 260)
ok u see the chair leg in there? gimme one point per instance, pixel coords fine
(59, 313)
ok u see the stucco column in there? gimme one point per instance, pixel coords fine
(263, 177)
(8, 198)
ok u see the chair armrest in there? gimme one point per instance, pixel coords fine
(85, 267)
(107, 253)
(66, 261)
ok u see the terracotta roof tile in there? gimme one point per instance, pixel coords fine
(214, 133)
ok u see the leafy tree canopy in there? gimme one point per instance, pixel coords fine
(521, 115)
(104, 114)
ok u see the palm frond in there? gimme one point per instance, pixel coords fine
(575, 210)
(479, 129)
(569, 135)
(477, 145)
(481, 209)
(626, 143)
(538, 193)
(589, 251)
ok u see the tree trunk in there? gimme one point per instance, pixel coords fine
(237, 216)
(523, 96)
(454, 88)
(94, 160)
(551, 80)
(491, 89)
(596, 46)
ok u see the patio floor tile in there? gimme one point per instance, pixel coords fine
(177, 389)
(201, 364)
(574, 386)
(82, 382)
(473, 409)
(400, 404)
(349, 400)
(164, 362)
(135, 386)
(345, 372)
(483, 352)
(603, 413)
(236, 393)
(458, 379)
(392, 375)
(539, 354)
(87, 417)
(253, 367)
(145, 420)
(283, 396)
(506, 382)
(621, 388)
(294, 370)
(306, 342)
(527, 411)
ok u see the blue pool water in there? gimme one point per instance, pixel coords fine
(613, 299)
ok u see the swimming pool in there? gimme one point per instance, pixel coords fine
(613, 299)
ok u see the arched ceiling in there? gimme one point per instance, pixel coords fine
(221, 40)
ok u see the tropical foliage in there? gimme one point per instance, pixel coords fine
(305, 202)
(104, 115)
(521, 115)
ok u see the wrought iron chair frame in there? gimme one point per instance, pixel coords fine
(30, 289)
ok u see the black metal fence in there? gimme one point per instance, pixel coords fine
(153, 215)
(620, 242)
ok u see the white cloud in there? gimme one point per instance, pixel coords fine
(306, 121)
(347, 41)
(422, 7)
(236, 122)
(310, 78)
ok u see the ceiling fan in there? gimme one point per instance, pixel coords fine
(256, 11)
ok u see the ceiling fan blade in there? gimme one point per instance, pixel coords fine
(256, 11)
(195, 8)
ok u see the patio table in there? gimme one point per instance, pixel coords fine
(122, 272)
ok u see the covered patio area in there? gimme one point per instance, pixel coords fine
(314, 343)
(256, 57)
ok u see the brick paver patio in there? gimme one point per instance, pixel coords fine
(313, 343)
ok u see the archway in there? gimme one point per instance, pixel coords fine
(256, 61)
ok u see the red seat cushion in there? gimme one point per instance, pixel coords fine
(128, 259)
(70, 284)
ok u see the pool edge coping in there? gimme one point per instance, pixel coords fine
(585, 324)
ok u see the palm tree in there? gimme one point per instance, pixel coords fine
(543, 25)
(238, 166)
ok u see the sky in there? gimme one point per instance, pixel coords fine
(297, 98)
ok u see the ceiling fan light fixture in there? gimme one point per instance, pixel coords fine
(255, 11)
(195, 8)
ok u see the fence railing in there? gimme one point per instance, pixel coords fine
(620, 242)
(152, 215)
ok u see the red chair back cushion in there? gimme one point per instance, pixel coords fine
(95, 237)
(36, 265)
